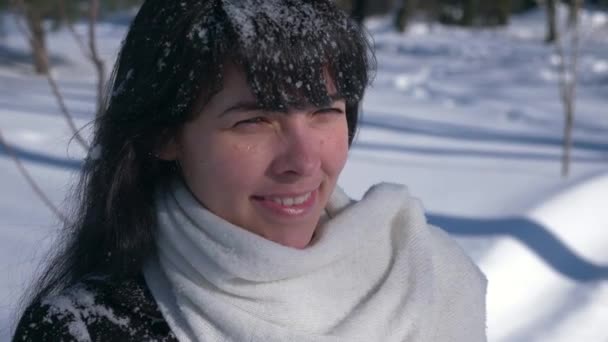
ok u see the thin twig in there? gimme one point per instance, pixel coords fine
(562, 69)
(66, 113)
(64, 15)
(90, 51)
(574, 52)
(568, 78)
(32, 183)
(94, 54)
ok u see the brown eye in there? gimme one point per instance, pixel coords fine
(252, 121)
(330, 110)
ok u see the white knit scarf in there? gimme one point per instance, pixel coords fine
(376, 271)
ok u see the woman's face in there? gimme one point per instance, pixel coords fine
(267, 172)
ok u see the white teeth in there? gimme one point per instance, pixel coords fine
(289, 201)
(301, 199)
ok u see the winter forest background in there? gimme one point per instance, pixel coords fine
(494, 113)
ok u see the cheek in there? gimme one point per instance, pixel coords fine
(334, 149)
(209, 167)
(234, 160)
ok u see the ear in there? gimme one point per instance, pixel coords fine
(168, 151)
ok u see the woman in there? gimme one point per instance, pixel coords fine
(211, 211)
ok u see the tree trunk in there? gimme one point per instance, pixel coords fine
(37, 42)
(569, 121)
(468, 12)
(504, 10)
(551, 22)
(568, 80)
(95, 58)
(432, 9)
(358, 10)
(403, 14)
(575, 6)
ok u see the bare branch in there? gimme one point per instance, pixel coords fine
(21, 7)
(65, 18)
(32, 183)
(551, 14)
(90, 51)
(65, 112)
(94, 54)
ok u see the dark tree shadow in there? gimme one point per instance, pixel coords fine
(471, 152)
(12, 57)
(537, 238)
(40, 158)
(402, 124)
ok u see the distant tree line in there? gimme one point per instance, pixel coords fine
(453, 12)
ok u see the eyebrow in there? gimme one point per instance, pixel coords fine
(248, 106)
(336, 97)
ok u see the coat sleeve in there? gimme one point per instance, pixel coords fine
(96, 309)
(42, 322)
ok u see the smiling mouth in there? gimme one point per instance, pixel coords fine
(288, 205)
(289, 201)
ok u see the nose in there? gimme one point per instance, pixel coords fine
(299, 152)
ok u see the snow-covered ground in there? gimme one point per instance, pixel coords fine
(468, 119)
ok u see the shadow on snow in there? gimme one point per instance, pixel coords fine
(537, 238)
(459, 131)
(472, 152)
(40, 158)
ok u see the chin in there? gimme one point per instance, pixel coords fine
(299, 239)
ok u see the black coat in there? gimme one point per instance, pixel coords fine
(96, 309)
